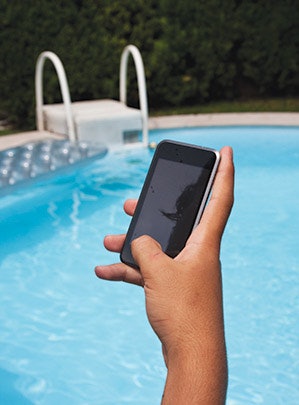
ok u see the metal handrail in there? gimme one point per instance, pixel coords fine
(130, 49)
(133, 50)
(64, 91)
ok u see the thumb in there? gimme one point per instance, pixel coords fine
(148, 255)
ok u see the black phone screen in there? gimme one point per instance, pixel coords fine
(170, 200)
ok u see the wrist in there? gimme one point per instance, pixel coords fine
(197, 374)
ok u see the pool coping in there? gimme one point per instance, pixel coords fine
(176, 121)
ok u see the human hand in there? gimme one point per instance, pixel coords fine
(184, 297)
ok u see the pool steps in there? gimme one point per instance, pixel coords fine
(94, 121)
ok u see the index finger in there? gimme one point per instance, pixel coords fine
(129, 206)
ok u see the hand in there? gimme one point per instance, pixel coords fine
(184, 297)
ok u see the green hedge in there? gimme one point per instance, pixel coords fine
(193, 51)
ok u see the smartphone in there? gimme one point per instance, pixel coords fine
(173, 196)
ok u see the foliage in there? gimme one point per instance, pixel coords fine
(194, 51)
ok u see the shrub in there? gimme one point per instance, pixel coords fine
(193, 51)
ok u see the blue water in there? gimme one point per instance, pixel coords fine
(68, 338)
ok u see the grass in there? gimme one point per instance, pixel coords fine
(258, 105)
(7, 131)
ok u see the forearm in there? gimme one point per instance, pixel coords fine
(198, 377)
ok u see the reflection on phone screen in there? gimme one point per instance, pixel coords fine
(170, 208)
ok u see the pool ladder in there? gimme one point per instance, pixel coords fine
(95, 121)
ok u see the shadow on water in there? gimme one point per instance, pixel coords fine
(8, 392)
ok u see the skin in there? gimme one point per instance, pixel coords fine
(184, 297)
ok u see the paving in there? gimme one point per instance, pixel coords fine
(11, 141)
(174, 121)
(223, 119)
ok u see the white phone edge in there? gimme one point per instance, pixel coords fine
(208, 188)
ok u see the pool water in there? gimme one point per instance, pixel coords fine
(68, 338)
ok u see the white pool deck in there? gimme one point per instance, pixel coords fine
(175, 121)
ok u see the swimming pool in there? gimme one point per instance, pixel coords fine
(69, 338)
